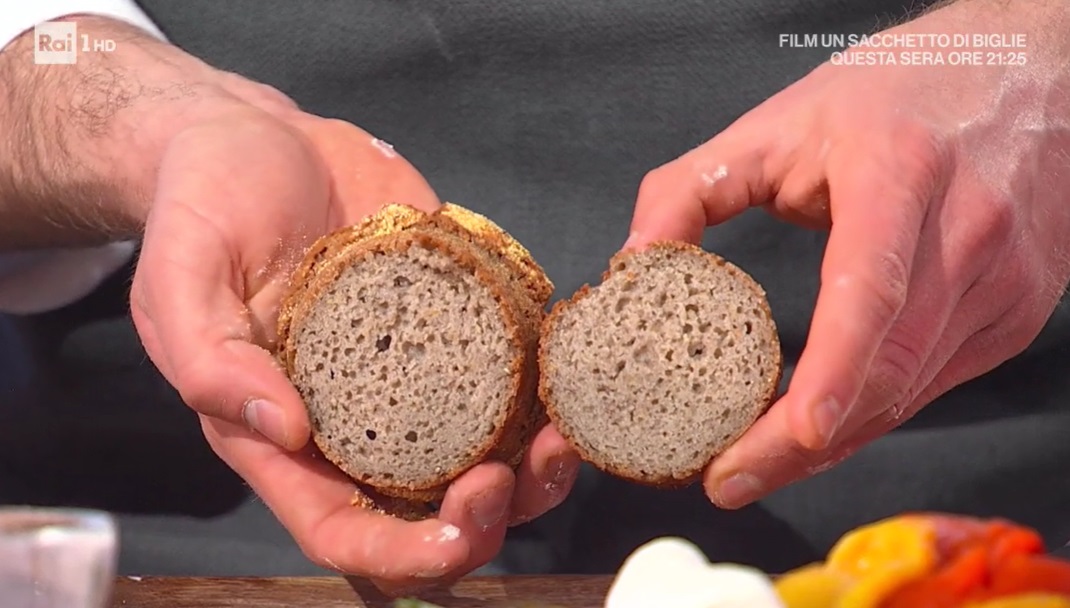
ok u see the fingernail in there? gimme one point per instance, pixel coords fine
(739, 490)
(265, 418)
(490, 507)
(562, 468)
(632, 242)
(828, 417)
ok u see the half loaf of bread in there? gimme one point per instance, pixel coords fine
(412, 338)
(657, 370)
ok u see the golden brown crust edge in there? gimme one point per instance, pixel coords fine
(333, 252)
(497, 240)
(545, 365)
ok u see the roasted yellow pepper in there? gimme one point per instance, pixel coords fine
(865, 566)
(814, 586)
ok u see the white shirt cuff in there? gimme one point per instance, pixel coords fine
(34, 282)
(18, 16)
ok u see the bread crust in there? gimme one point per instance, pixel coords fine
(546, 366)
(497, 241)
(494, 264)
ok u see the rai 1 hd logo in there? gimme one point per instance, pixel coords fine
(58, 43)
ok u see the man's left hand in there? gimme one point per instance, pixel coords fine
(946, 190)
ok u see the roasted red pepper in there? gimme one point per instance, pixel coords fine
(1031, 573)
(983, 560)
(948, 587)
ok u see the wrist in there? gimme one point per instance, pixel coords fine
(81, 143)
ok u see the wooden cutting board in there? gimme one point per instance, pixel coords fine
(332, 592)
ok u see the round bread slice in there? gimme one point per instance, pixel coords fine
(657, 370)
(414, 349)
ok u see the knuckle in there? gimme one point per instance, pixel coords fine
(922, 158)
(999, 221)
(321, 551)
(274, 96)
(651, 184)
(829, 460)
(192, 379)
(801, 462)
(887, 283)
(897, 363)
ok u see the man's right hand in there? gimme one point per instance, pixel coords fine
(232, 182)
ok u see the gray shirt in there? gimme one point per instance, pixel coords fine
(545, 115)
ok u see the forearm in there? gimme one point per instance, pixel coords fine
(79, 144)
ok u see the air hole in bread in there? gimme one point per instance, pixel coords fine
(413, 350)
(401, 281)
(695, 349)
(411, 436)
(382, 344)
(370, 434)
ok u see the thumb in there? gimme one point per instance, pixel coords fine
(706, 186)
(199, 335)
(217, 230)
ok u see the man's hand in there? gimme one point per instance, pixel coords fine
(947, 192)
(233, 182)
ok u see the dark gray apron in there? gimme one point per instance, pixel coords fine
(545, 115)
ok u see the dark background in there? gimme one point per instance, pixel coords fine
(544, 115)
